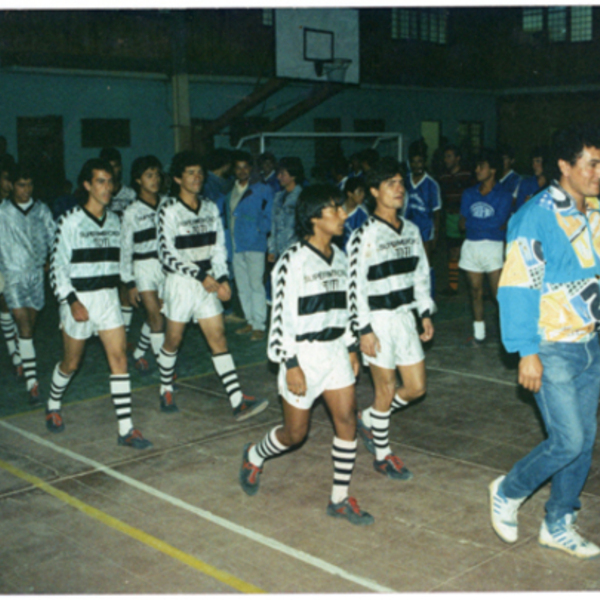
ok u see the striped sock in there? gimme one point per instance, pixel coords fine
(156, 341)
(225, 368)
(120, 391)
(127, 312)
(143, 342)
(9, 330)
(59, 384)
(398, 403)
(166, 366)
(344, 457)
(366, 417)
(380, 429)
(28, 357)
(269, 447)
(453, 275)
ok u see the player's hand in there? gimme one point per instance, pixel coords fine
(369, 344)
(224, 292)
(296, 382)
(355, 363)
(530, 372)
(79, 312)
(134, 297)
(271, 258)
(211, 285)
(427, 329)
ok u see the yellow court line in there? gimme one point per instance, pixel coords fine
(137, 534)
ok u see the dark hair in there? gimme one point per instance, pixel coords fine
(493, 158)
(91, 165)
(20, 171)
(218, 158)
(339, 165)
(293, 165)
(370, 156)
(312, 200)
(267, 156)
(388, 167)
(182, 160)
(7, 165)
(109, 154)
(353, 183)
(418, 148)
(140, 165)
(454, 148)
(242, 156)
(506, 150)
(570, 142)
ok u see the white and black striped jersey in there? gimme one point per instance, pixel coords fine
(86, 254)
(310, 301)
(122, 200)
(191, 242)
(138, 236)
(25, 236)
(388, 271)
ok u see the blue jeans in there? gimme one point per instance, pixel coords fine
(568, 402)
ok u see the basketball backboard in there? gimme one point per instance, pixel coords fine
(317, 44)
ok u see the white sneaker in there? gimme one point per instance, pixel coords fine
(562, 535)
(503, 512)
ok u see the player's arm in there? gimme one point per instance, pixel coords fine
(126, 256)
(49, 228)
(219, 261)
(422, 287)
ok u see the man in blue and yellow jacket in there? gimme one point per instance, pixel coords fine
(550, 310)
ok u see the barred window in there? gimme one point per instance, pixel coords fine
(560, 23)
(581, 23)
(533, 19)
(557, 23)
(427, 25)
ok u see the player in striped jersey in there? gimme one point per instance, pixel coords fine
(311, 339)
(191, 248)
(84, 273)
(141, 270)
(389, 277)
(26, 232)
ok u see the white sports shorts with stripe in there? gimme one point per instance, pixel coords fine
(149, 276)
(399, 340)
(326, 366)
(104, 310)
(185, 299)
(24, 290)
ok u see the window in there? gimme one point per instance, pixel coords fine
(581, 23)
(560, 23)
(533, 19)
(557, 23)
(470, 134)
(427, 25)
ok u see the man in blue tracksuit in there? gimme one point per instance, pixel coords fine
(248, 211)
(549, 299)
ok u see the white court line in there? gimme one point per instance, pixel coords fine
(491, 379)
(204, 514)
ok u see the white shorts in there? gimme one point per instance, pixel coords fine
(24, 290)
(483, 256)
(104, 310)
(326, 366)
(149, 276)
(186, 299)
(399, 340)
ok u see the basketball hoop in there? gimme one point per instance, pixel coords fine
(335, 70)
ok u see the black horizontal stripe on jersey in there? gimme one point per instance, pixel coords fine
(196, 240)
(309, 305)
(399, 266)
(392, 300)
(95, 255)
(145, 255)
(91, 284)
(146, 235)
(325, 335)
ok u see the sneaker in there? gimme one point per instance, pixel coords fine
(392, 467)
(257, 335)
(562, 535)
(34, 395)
(473, 342)
(243, 330)
(54, 422)
(167, 404)
(365, 433)
(134, 439)
(349, 509)
(248, 407)
(249, 473)
(503, 512)
(231, 318)
(141, 366)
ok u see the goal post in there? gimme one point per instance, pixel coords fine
(321, 147)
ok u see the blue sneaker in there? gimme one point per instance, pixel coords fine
(134, 439)
(365, 433)
(348, 509)
(562, 535)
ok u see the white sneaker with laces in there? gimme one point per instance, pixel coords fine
(563, 535)
(503, 512)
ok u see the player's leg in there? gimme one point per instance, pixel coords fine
(25, 318)
(9, 330)
(166, 362)
(453, 271)
(414, 384)
(243, 406)
(115, 343)
(475, 280)
(156, 320)
(126, 308)
(494, 280)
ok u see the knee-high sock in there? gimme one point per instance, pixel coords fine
(398, 403)
(156, 341)
(225, 368)
(344, 457)
(127, 312)
(9, 330)
(28, 358)
(381, 428)
(58, 387)
(143, 342)
(120, 391)
(453, 275)
(166, 365)
(268, 447)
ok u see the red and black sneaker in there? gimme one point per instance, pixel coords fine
(391, 466)
(54, 422)
(249, 473)
(167, 404)
(349, 509)
(248, 407)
